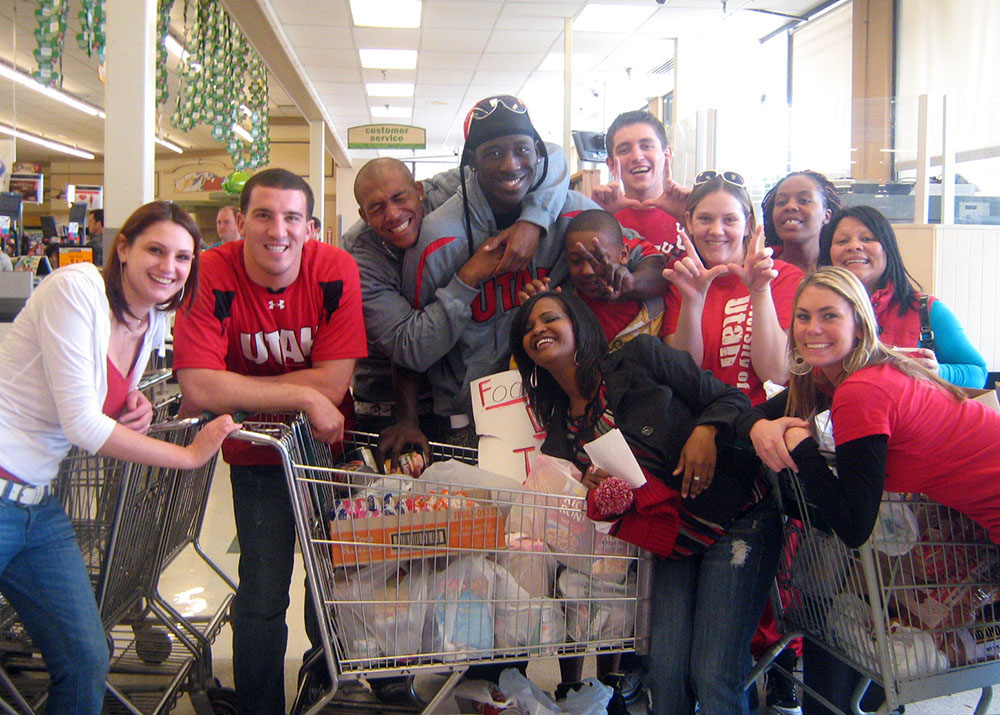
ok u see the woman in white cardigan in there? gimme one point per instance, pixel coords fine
(68, 371)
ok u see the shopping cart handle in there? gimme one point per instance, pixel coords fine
(239, 417)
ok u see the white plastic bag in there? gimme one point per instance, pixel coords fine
(591, 698)
(461, 619)
(530, 699)
(519, 619)
(595, 609)
(380, 610)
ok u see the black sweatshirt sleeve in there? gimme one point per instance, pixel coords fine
(850, 499)
(770, 410)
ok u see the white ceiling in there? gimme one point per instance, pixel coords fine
(467, 49)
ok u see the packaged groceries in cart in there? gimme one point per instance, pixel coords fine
(915, 609)
(454, 568)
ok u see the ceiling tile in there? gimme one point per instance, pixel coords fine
(375, 75)
(452, 41)
(312, 12)
(477, 15)
(445, 76)
(446, 60)
(511, 60)
(386, 38)
(428, 91)
(319, 36)
(522, 40)
(317, 56)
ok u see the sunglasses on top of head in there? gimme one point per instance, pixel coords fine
(730, 177)
(487, 107)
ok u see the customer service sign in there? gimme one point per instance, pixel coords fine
(386, 136)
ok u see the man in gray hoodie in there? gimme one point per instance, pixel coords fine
(508, 161)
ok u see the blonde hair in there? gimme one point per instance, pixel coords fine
(869, 350)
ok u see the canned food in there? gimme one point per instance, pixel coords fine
(411, 463)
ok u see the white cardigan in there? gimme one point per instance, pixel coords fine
(54, 373)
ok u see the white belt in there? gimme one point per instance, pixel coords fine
(25, 494)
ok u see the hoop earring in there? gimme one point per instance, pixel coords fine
(856, 360)
(797, 364)
(180, 296)
(575, 361)
(533, 378)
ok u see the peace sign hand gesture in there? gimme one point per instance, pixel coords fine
(689, 273)
(758, 269)
(611, 197)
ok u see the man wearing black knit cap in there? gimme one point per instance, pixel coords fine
(508, 160)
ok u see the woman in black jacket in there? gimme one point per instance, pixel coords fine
(703, 509)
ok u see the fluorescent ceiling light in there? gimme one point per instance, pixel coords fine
(242, 133)
(175, 48)
(396, 112)
(389, 89)
(388, 59)
(67, 99)
(169, 145)
(35, 139)
(618, 18)
(386, 13)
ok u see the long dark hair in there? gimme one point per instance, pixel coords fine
(546, 394)
(905, 287)
(831, 201)
(141, 219)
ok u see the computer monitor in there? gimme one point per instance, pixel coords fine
(49, 229)
(10, 204)
(590, 146)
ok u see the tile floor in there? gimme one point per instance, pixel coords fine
(194, 589)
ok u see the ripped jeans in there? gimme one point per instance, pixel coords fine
(705, 610)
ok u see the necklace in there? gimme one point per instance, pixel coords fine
(130, 329)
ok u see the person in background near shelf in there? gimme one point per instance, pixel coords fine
(861, 240)
(68, 373)
(794, 212)
(95, 225)
(277, 328)
(225, 225)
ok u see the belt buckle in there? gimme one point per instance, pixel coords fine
(24, 494)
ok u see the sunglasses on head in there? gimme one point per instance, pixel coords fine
(488, 106)
(730, 177)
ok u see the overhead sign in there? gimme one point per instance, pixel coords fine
(386, 136)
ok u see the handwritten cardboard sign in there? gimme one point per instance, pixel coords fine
(509, 435)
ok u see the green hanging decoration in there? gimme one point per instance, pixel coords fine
(163, 10)
(50, 35)
(92, 37)
(222, 82)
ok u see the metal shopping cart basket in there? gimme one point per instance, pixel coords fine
(415, 575)
(916, 609)
(131, 521)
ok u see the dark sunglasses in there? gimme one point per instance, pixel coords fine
(730, 177)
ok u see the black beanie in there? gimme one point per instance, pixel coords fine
(498, 116)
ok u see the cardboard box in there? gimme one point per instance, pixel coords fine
(415, 535)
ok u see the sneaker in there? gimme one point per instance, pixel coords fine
(617, 704)
(783, 704)
(631, 687)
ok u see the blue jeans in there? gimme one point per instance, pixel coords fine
(43, 577)
(705, 611)
(265, 527)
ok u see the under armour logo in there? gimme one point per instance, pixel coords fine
(280, 304)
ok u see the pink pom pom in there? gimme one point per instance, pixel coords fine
(613, 497)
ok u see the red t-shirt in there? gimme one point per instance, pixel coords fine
(945, 449)
(114, 401)
(653, 224)
(240, 326)
(727, 322)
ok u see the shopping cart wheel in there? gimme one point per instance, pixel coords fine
(223, 700)
(152, 645)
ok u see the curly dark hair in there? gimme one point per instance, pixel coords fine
(831, 201)
(546, 395)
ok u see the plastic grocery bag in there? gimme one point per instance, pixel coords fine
(595, 609)
(530, 699)
(380, 610)
(461, 619)
(554, 511)
(591, 698)
(519, 619)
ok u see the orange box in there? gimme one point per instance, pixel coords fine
(415, 535)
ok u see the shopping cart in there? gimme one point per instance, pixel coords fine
(436, 577)
(131, 521)
(916, 609)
